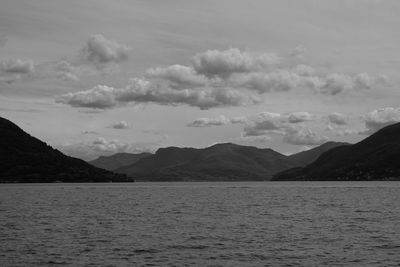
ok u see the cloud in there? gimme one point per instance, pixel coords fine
(144, 91)
(336, 83)
(217, 121)
(14, 69)
(99, 50)
(224, 63)
(380, 118)
(179, 76)
(298, 52)
(216, 78)
(205, 122)
(285, 125)
(304, 70)
(67, 76)
(280, 80)
(337, 118)
(239, 120)
(264, 123)
(298, 117)
(121, 125)
(17, 66)
(303, 136)
(100, 96)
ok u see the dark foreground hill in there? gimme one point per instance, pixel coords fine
(118, 160)
(374, 158)
(24, 158)
(219, 162)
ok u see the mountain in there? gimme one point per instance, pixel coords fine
(24, 158)
(118, 160)
(306, 157)
(374, 158)
(219, 162)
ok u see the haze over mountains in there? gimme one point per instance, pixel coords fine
(24, 158)
(118, 160)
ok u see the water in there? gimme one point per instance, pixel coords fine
(200, 224)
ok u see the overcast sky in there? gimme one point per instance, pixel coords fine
(99, 77)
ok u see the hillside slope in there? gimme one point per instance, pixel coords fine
(24, 158)
(374, 158)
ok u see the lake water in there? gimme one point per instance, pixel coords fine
(201, 224)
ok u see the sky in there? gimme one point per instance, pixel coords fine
(99, 77)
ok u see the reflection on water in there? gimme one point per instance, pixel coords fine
(200, 224)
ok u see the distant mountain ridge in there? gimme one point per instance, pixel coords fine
(24, 158)
(377, 157)
(225, 161)
(118, 160)
(306, 157)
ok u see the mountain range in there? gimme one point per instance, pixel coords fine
(24, 158)
(225, 161)
(117, 160)
(375, 158)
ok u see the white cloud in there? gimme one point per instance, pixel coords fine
(224, 63)
(238, 120)
(143, 91)
(215, 79)
(379, 118)
(280, 80)
(303, 136)
(99, 50)
(337, 118)
(217, 121)
(267, 123)
(264, 123)
(205, 122)
(67, 76)
(336, 83)
(121, 125)
(297, 117)
(14, 69)
(17, 66)
(179, 76)
(304, 70)
(100, 96)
